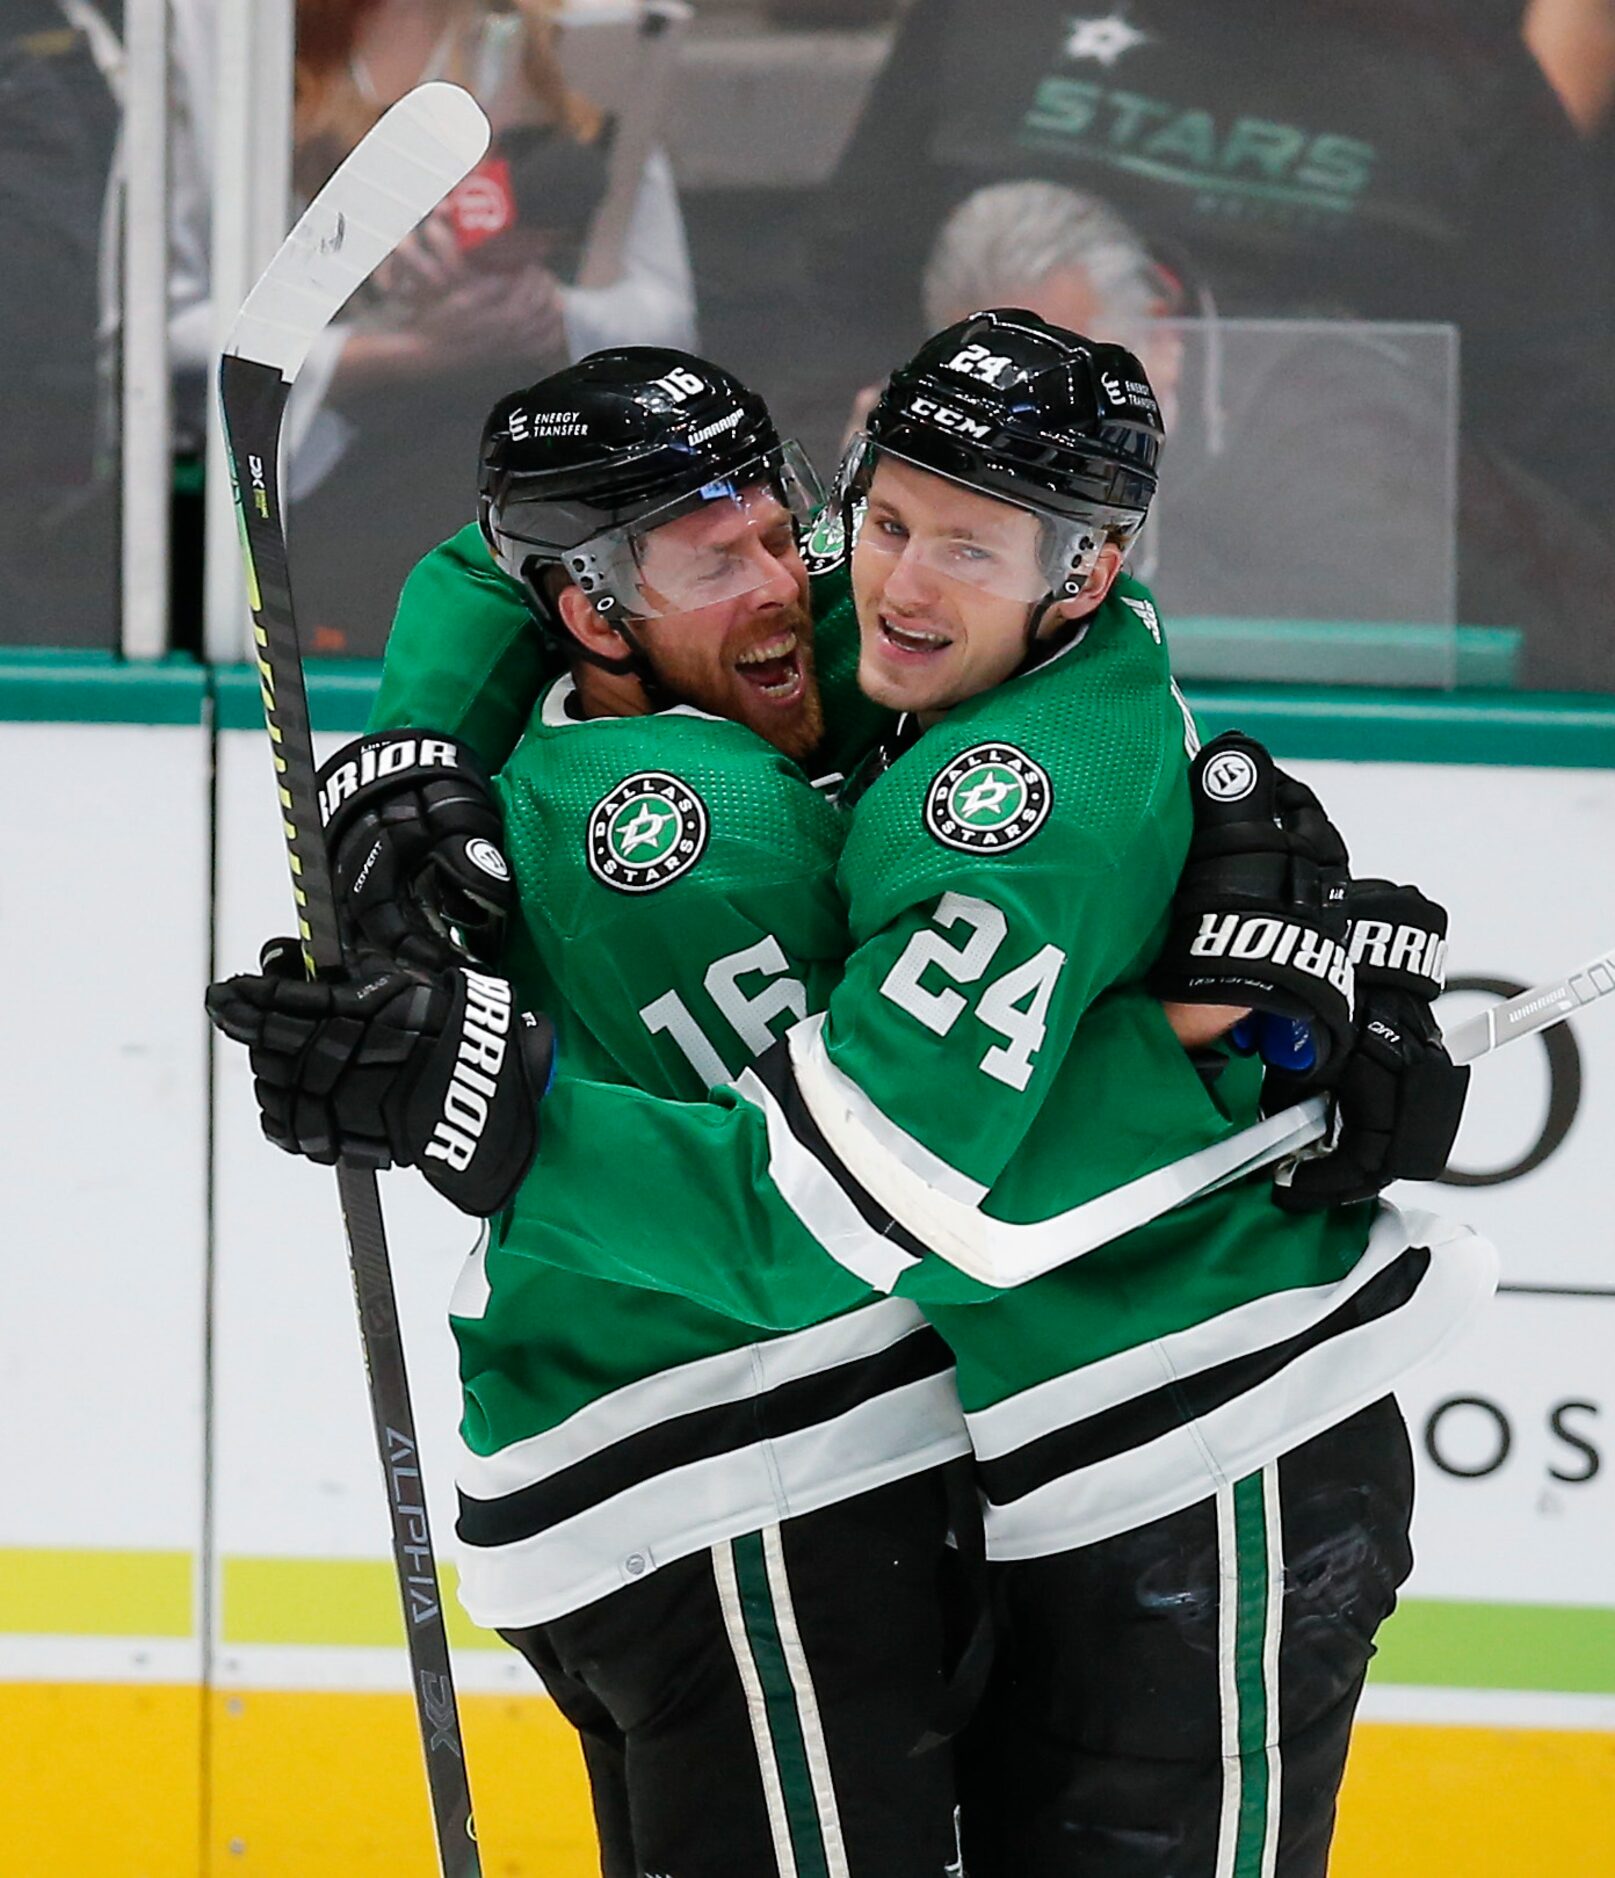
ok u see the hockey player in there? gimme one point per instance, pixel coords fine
(725, 1556)
(1196, 1486)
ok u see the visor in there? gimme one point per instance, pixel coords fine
(1013, 563)
(653, 566)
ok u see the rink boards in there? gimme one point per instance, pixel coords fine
(197, 1623)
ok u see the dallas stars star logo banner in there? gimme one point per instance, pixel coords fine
(1105, 40)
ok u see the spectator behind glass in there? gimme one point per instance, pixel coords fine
(1367, 159)
(1301, 475)
(459, 314)
(385, 418)
(58, 465)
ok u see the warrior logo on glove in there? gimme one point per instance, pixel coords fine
(393, 1066)
(474, 1079)
(414, 837)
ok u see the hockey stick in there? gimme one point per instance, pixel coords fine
(1527, 1012)
(406, 165)
(1004, 1253)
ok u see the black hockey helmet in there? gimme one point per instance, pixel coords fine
(578, 470)
(1007, 404)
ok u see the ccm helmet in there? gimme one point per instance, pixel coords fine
(1005, 403)
(579, 470)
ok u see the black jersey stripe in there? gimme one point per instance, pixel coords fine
(703, 1434)
(1144, 1418)
(776, 1072)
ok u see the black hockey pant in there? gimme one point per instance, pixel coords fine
(756, 1709)
(1176, 1702)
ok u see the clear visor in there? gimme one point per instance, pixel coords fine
(966, 536)
(720, 542)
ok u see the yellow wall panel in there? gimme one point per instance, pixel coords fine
(306, 1785)
(330, 1785)
(102, 1779)
(1427, 1802)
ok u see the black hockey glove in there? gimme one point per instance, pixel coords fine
(1399, 1097)
(392, 1065)
(1259, 916)
(414, 836)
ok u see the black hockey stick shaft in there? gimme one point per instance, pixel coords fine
(254, 400)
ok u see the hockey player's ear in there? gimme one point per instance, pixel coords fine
(590, 628)
(1101, 578)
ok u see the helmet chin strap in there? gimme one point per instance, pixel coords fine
(659, 695)
(635, 663)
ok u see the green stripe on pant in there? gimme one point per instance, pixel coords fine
(1251, 1569)
(782, 1743)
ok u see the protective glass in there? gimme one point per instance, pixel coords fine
(1016, 553)
(716, 543)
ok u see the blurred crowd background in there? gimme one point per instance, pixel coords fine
(1363, 246)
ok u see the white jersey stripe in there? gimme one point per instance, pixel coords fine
(1099, 1386)
(686, 1510)
(1317, 1390)
(939, 1204)
(817, 1199)
(730, 1376)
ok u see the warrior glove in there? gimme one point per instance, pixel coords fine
(414, 838)
(1399, 1097)
(387, 1065)
(1259, 916)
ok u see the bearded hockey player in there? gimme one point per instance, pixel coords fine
(1195, 1481)
(725, 1556)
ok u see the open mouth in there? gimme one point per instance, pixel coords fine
(773, 669)
(911, 641)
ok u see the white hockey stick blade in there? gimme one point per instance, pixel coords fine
(1527, 1012)
(1530, 1011)
(429, 141)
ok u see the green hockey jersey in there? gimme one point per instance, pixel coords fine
(678, 913)
(988, 1063)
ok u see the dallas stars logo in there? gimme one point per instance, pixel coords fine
(1103, 40)
(648, 831)
(826, 546)
(988, 799)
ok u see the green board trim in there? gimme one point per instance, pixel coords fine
(46, 686)
(1537, 729)
(57, 1592)
(1317, 652)
(340, 694)
(1548, 730)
